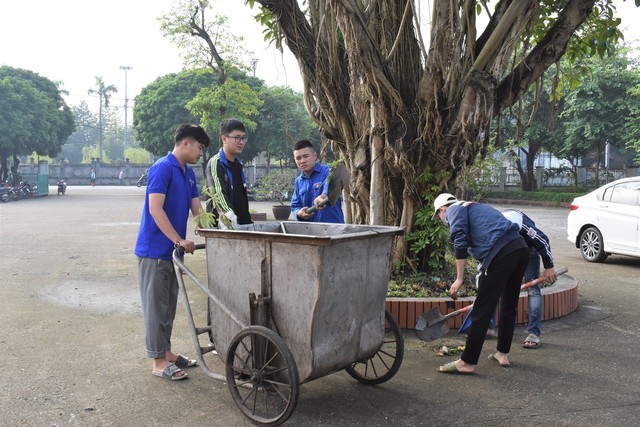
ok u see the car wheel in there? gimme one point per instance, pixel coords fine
(592, 246)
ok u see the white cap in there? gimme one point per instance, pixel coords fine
(442, 200)
(513, 216)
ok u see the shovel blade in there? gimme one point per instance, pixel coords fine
(429, 327)
(337, 182)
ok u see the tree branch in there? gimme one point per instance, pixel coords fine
(552, 46)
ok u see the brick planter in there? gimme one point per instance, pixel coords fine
(558, 300)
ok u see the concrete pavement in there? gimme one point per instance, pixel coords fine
(72, 340)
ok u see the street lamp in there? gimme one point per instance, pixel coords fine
(126, 101)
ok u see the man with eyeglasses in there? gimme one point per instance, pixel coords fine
(227, 180)
(172, 191)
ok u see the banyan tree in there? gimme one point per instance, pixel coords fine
(405, 90)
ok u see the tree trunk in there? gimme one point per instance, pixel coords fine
(409, 121)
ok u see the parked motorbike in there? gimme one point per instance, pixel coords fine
(29, 189)
(142, 180)
(19, 191)
(62, 186)
(4, 193)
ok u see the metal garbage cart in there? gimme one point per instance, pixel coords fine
(293, 301)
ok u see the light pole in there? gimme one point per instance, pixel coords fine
(254, 64)
(126, 102)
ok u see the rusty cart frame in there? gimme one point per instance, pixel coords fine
(289, 302)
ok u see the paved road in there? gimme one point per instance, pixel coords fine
(72, 347)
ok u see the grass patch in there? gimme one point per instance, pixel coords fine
(553, 196)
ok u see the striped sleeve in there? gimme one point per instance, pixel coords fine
(538, 239)
(219, 191)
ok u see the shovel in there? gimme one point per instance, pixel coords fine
(433, 324)
(466, 323)
(338, 179)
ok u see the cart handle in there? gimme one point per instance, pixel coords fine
(180, 266)
(181, 249)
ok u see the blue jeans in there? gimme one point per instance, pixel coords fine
(535, 299)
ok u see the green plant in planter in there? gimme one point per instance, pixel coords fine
(275, 186)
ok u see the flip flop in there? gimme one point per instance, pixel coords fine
(185, 362)
(531, 342)
(451, 368)
(492, 356)
(170, 372)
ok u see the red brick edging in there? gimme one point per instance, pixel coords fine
(558, 300)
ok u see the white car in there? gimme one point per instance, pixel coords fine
(607, 220)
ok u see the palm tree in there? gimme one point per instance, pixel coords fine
(104, 93)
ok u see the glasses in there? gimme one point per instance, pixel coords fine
(238, 138)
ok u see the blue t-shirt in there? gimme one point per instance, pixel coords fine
(307, 188)
(179, 186)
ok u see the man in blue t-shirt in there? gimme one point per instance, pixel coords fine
(171, 193)
(311, 187)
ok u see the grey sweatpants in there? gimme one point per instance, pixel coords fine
(159, 293)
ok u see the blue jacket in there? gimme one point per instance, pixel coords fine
(305, 191)
(479, 230)
(533, 236)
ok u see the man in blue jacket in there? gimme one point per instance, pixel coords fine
(539, 247)
(483, 232)
(311, 187)
(172, 192)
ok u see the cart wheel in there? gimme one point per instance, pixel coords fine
(262, 376)
(383, 365)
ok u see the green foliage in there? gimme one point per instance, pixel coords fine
(596, 112)
(192, 25)
(282, 121)
(161, 107)
(270, 29)
(430, 239)
(92, 152)
(275, 185)
(86, 133)
(632, 122)
(206, 219)
(553, 196)
(104, 92)
(432, 284)
(479, 177)
(138, 155)
(233, 99)
(33, 115)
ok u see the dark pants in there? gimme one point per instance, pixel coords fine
(501, 282)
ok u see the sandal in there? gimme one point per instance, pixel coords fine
(451, 368)
(185, 362)
(493, 357)
(171, 372)
(531, 342)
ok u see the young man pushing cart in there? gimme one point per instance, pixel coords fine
(172, 192)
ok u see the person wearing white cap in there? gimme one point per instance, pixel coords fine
(481, 231)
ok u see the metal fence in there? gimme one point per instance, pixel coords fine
(509, 178)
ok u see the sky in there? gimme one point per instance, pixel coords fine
(74, 41)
